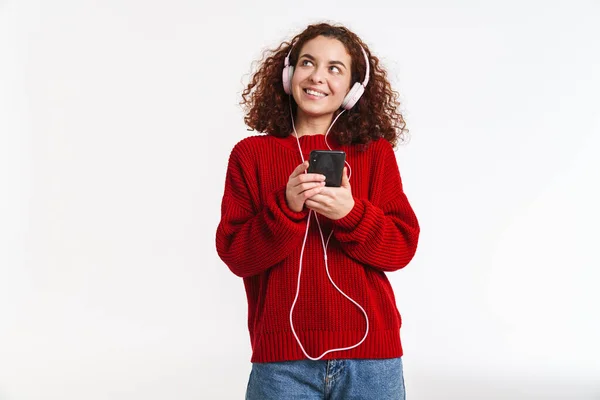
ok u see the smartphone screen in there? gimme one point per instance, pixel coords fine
(329, 163)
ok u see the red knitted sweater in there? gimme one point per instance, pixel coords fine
(260, 238)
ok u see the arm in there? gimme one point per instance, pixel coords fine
(382, 236)
(250, 242)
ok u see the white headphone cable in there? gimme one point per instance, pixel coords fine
(324, 245)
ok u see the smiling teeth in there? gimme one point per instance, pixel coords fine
(314, 93)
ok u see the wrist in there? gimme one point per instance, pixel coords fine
(347, 211)
(287, 207)
(352, 218)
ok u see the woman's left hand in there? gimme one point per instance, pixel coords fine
(333, 202)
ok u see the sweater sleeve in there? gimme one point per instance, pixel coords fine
(251, 238)
(382, 236)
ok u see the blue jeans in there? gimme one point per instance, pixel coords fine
(377, 379)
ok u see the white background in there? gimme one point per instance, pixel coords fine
(116, 122)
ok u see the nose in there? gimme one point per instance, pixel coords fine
(316, 76)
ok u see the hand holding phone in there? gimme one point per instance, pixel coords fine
(302, 186)
(337, 201)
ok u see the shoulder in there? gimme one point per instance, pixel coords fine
(381, 155)
(251, 142)
(250, 146)
(380, 148)
(382, 145)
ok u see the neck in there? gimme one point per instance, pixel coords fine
(307, 125)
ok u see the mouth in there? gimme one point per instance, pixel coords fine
(315, 93)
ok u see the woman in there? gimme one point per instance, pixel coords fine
(322, 314)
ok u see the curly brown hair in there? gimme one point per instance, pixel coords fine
(376, 115)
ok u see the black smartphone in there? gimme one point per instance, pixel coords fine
(329, 163)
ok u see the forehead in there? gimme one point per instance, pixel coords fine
(326, 48)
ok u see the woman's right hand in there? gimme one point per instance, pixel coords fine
(302, 186)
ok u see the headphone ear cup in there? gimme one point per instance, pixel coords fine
(287, 74)
(353, 96)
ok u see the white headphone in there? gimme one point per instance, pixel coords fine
(351, 98)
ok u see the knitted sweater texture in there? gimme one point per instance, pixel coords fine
(260, 239)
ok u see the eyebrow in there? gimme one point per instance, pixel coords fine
(333, 62)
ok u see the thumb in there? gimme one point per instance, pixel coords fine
(345, 180)
(299, 169)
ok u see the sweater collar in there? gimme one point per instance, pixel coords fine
(308, 142)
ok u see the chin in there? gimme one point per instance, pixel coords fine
(313, 111)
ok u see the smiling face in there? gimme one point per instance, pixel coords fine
(321, 78)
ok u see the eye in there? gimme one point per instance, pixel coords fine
(305, 63)
(335, 69)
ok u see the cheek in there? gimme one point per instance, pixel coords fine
(298, 77)
(296, 90)
(295, 79)
(340, 87)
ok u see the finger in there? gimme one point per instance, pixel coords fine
(308, 194)
(309, 185)
(299, 169)
(311, 178)
(318, 198)
(313, 205)
(323, 196)
(345, 180)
